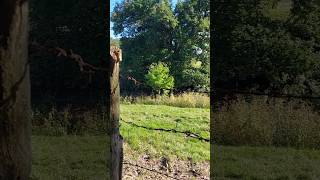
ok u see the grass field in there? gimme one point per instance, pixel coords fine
(83, 157)
(69, 157)
(231, 162)
(168, 144)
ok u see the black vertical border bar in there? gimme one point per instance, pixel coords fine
(104, 13)
(213, 97)
(106, 17)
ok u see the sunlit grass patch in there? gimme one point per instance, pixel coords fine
(169, 144)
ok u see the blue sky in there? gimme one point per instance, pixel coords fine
(112, 4)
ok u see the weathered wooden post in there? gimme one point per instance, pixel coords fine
(15, 125)
(113, 93)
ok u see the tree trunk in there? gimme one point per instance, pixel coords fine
(15, 125)
(113, 109)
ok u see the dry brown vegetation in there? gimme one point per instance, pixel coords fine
(189, 99)
(273, 122)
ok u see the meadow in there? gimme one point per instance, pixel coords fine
(265, 138)
(67, 145)
(254, 138)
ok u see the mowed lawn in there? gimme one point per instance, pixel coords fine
(264, 163)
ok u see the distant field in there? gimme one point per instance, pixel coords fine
(264, 163)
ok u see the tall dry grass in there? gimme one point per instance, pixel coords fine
(274, 123)
(188, 100)
(69, 121)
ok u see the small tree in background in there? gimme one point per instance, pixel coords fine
(159, 78)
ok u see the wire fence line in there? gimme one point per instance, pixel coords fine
(257, 93)
(187, 133)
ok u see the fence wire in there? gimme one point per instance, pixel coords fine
(187, 133)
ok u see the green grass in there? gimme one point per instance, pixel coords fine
(69, 157)
(83, 157)
(167, 144)
(229, 162)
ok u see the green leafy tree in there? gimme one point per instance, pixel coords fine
(153, 30)
(255, 51)
(159, 78)
(192, 44)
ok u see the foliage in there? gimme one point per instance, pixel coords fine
(255, 51)
(152, 30)
(158, 77)
(192, 40)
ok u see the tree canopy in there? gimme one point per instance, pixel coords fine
(152, 30)
(256, 51)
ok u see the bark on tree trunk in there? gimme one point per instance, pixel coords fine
(15, 125)
(113, 93)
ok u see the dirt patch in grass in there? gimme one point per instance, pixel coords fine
(146, 167)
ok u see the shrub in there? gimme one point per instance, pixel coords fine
(187, 100)
(159, 78)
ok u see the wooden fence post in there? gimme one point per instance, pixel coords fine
(113, 93)
(15, 108)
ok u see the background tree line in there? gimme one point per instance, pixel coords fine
(267, 46)
(154, 31)
(151, 31)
